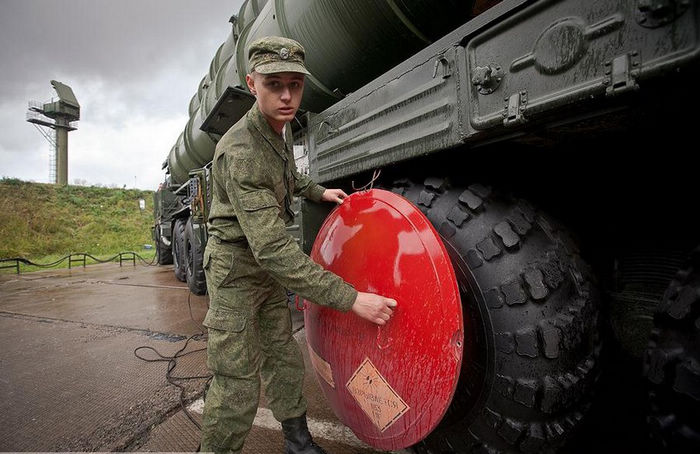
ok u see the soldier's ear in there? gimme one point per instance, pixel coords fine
(250, 81)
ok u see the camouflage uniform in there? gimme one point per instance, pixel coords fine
(249, 261)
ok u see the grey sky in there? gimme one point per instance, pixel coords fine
(133, 65)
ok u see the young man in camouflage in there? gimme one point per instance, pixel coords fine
(250, 260)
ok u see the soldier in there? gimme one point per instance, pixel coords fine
(250, 260)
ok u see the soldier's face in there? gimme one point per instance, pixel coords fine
(279, 95)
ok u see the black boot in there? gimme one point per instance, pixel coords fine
(297, 439)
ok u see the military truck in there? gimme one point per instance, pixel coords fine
(550, 145)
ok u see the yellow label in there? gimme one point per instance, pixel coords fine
(375, 396)
(322, 368)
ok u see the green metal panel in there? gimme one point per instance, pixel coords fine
(180, 164)
(519, 64)
(194, 104)
(350, 43)
(164, 205)
(347, 43)
(560, 54)
(224, 52)
(249, 11)
(65, 93)
(66, 108)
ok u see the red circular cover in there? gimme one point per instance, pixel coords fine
(392, 384)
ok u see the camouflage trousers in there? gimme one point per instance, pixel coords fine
(250, 339)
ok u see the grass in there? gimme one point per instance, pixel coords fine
(43, 222)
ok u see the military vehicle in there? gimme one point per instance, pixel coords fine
(550, 145)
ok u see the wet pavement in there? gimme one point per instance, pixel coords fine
(71, 381)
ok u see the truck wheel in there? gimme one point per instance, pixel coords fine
(194, 253)
(164, 253)
(179, 249)
(672, 363)
(531, 323)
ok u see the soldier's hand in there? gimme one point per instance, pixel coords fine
(374, 308)
(334, 195)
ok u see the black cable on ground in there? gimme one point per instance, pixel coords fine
(199, 325)
(172, 363)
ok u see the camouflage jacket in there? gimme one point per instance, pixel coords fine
(254, 180)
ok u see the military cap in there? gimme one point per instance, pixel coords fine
(276, 54)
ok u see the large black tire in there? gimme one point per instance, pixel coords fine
(178, 243)
(164, 253)
(194, 254)
(531, 323)
(672, 363)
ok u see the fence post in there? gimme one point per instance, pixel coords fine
(15, 266)
(122, 258)
(71, 260)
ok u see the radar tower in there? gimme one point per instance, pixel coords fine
(64, 111)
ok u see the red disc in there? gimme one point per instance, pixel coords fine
(392, 384)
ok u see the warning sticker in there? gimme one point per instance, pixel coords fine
(375, 396)
(322, 368)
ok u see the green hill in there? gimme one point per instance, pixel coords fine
(43, 222)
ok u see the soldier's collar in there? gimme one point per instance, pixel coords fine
(258, 120)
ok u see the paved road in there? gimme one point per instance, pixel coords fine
(71, 382)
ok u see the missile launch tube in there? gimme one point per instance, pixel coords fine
(348, 43)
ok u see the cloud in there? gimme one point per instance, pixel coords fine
(133, 65)
(133, 160)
